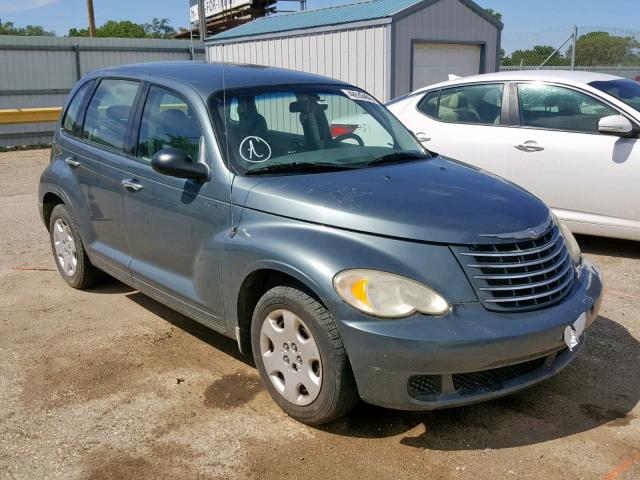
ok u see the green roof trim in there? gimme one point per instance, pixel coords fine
(341, 14)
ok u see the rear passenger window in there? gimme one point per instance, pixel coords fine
(71, 123)
(559, 108)
(108, 112)
(470, 104)
(167, 121)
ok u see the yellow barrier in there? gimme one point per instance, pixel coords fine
(29, 115)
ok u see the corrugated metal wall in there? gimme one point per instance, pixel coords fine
(358, 56)
(445, 21)
(39, 71)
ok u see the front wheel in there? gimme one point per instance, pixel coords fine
(300, 357)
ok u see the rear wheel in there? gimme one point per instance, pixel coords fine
(68, 250)
(300, 357)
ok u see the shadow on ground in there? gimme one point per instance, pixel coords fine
(611, 247)
(600, 387)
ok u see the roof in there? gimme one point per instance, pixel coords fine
(364, 11)
(208, 78)
(569, 77)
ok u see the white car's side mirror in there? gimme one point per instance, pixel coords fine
(615, 125)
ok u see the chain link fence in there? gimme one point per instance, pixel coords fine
(607, 50)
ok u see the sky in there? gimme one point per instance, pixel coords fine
(527, 22)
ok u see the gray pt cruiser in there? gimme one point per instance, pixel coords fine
(351, 268)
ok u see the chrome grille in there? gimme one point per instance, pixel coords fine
(524, 275)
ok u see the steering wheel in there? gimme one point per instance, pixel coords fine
(349, 136)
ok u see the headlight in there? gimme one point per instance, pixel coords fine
(387, 295)
(570, 240)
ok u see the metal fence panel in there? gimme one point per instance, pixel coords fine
(598, 49)
(40, 71)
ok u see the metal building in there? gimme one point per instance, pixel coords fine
(387, 47)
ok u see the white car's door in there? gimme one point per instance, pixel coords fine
(461, 122)
(589, 179)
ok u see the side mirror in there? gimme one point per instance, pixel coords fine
(616, 125)
(175, 162)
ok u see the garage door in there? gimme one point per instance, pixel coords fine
(433, 62)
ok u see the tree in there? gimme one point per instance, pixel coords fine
(159, 28)
(494, 14)
(535, 56)
(112, 28)
(9, 28)
(601, 48)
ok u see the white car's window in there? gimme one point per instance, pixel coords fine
(167, 121)
(625, 90)
(559, 108)
(469, 104)
(108, 112)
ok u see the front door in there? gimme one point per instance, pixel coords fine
(559, 155)
(172, 223)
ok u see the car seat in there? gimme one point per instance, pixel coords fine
(250, 123)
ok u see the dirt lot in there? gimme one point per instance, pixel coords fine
(108, 383)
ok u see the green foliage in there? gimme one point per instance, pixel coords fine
(535, 56)
(159, 28)
(494, 14)
(601, 48)
(9, 28)
(112, 28)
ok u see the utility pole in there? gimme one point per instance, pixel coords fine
(202, 22)
(92, 20)
(573, 48)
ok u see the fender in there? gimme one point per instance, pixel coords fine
(313, 254)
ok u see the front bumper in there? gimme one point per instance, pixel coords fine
(390, 357)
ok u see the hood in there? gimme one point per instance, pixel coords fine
(436, 200)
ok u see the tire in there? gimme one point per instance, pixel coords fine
(68, 250)
(287, 323)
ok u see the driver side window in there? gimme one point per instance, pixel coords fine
(167, 121)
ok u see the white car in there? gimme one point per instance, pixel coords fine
(569, 137)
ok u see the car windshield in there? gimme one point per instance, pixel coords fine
(308, 129)
(624, 90)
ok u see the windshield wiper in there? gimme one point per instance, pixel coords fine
(398, 157)
(298, 168)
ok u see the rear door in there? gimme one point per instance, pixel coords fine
(559, 155)
(172, 223)
(464, 122)
(94, 149)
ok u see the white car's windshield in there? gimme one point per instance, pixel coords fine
(301, 129)
(624, 90)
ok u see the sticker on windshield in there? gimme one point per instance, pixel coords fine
(359, 96)
(255, 149)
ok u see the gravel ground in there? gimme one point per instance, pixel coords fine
(108, 383)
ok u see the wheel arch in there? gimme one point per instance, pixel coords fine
(256, 282)
(49, 201)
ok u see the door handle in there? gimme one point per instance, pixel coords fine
(132, 185)
(529, 147)
(422, 137)
(72, 162)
